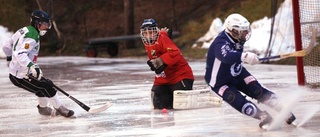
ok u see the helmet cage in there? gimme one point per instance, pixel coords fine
(149, 31)
(149, 35)
(48, 24)
(241, 33)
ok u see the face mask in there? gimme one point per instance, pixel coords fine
(42, 32)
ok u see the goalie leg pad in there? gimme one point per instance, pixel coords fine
(189, 99)
(162, 97)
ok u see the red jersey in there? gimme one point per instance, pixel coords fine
(177, 67)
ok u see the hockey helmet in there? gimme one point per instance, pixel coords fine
(238, 27)
(149, 31)
(39, 17)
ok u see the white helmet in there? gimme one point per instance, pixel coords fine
(238, 27)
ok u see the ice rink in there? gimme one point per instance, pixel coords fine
(126, 83)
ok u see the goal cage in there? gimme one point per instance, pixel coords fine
(306, 16)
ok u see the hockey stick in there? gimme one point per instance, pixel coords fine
(84, 106)
(300, 53)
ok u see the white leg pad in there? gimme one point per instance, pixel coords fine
(201, 98)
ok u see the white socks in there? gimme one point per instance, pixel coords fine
(55, 101)
(43, 102)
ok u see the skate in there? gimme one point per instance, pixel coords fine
(265, 118)
(290, 119)
(63, 111)
(47, 111)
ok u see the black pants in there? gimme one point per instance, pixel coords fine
(162, 95)
(41, 88)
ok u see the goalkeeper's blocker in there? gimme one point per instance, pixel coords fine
(200, 98)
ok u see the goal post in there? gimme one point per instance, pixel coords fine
(297, 38)
(306, 17)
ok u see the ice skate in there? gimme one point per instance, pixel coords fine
(63, 111)
(290, 119)
(265, 118)
(47, 111)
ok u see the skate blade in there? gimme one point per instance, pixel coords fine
(265, 127)
(268, 127)
(72, 117)
(294, 124)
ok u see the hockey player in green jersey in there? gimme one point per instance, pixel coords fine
(22, 51)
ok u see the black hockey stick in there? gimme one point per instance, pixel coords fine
(300, 53)
(84, 106)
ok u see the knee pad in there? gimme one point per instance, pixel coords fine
(240, 103)
(256, 89)
(230, 97)
(249, 109)
(226, 93)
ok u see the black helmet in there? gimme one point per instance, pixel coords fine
(39, 16)
(148, 23)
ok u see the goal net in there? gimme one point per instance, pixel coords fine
(309, 11)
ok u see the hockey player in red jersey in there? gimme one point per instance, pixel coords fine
(22, 51)
(229, 78)
(165, 59)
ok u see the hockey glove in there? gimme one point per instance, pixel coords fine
(152, 68)
(160, 69)
(168, 30)
(36, 71)
(250, 58)
(9, 58)
(156, 65)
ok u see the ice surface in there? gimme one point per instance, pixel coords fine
(126, 83)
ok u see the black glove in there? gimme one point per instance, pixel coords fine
(160, 69)
(157, 65)
(152, 68)
(36, 71)
(9, 58)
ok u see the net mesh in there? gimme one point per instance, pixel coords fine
(310, 19)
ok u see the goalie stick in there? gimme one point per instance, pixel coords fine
(300, 53)
(82, 105)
